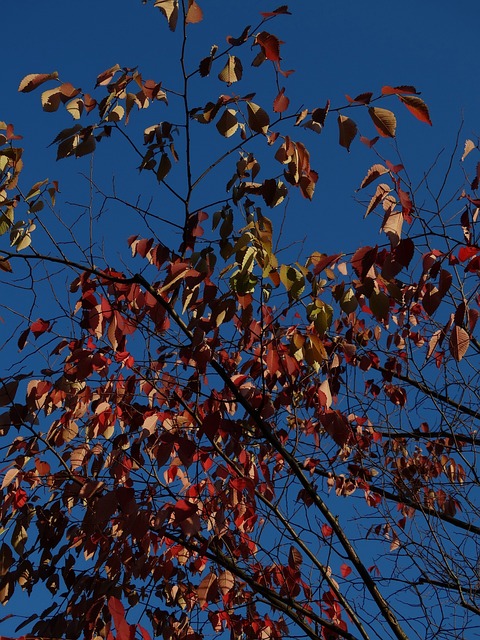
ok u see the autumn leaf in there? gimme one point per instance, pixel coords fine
(194, 13)
(459, 342)
(374, 172)
(169, 8)
(418, 107)
(402, 89)
(34, 80)
(384, 121)
(276, 12)
(227, 125)
(270, 45)
(232, 71)
(348, 131)
(469, 146)
(281, 102)
(258, 119)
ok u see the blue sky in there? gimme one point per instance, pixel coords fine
(336, 48)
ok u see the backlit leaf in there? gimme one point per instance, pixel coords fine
(459, 342)
(418, 107)
(281, 102)
(194, 13)
(384, 121)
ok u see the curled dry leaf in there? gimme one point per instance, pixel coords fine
(169, 8)
(469, 146)
(373, 173)
(381, 192)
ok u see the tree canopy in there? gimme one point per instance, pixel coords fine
(213, 425)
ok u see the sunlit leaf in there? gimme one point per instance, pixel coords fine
(169, 8)
(34, 80)
(232, 71)
(384, 121)
(227, 125)
(374, 172)
(258, 119)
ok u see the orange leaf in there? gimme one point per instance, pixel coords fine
(418, 107)
(194, 13)
(384, 121)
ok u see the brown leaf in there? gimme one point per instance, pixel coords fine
(380, 193)
(281, 102)
(232, 71)
(194, 13)
(34, 80)
(384, 121)
(459, 342)
(5, 265)
(374, 172)
(258, 119)
(106, 76)
(169, 8)
(228, 123)
(7, 392)
(348, 131)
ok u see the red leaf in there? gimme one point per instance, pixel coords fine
(363, 260)
(276, 12)
(403, 89)
(345, 570)
(270, 45)
(281, 102)
(466, 253)
(326, 530)
(418, 107)
(39, 326)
